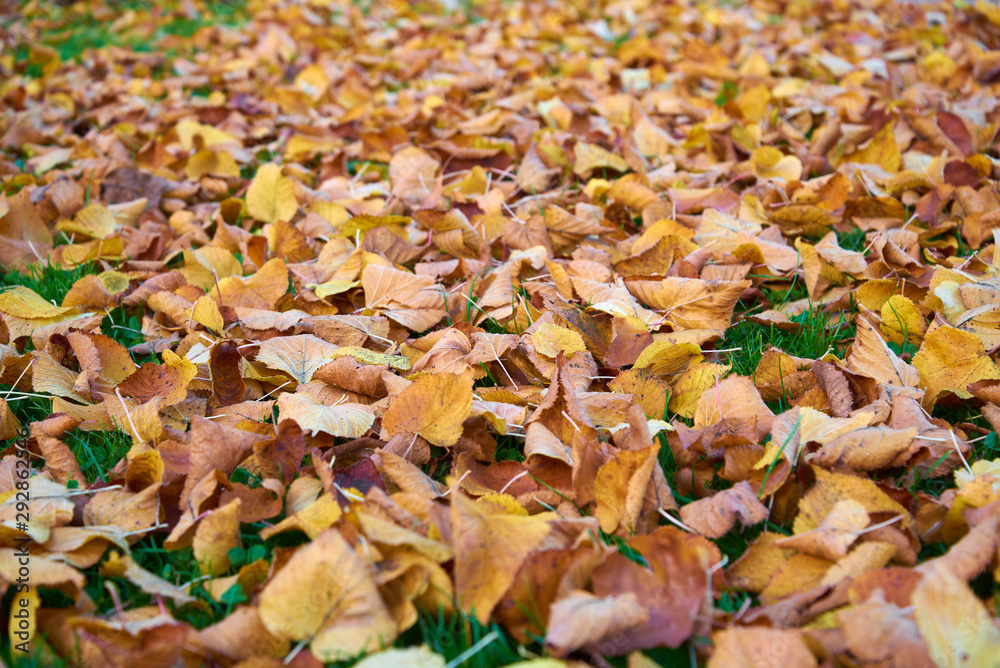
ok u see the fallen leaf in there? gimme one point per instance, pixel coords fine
(715, 516)
(767, 648)
(325, 596)
(582, 619)
(953, 622)
(271, 195)
(344, 420)
(490, 547)
(951, 360)
(432, 407)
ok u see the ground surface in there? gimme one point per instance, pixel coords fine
(495, 332)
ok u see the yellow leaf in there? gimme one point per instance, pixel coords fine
(664, 358)
(831, 488)
(950, 360)
(882, 150)
(769, 163)
(692, 384)
(334, 287)
(312, 81)
(371, 357)
(300, 147)
(957, 627)
(271, 195)
(590, 157)
(489, 549)
(26, 304)
(344, 420)
(901, 321)
(834, 535)
(620, 488)
(216, 534)
(113, 281)
(215, 163)
(206, 312)
(259, 291)
(319, 515)
(95, 221)
(549, 340)
(434, 406)
(326, 595)
(187, 130)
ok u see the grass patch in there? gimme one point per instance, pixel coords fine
(854, 240)
(73, 31)
(816, 338)
(51, 282)
(461, 635)
(98, 451)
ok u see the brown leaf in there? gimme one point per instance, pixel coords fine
(760, 647)
(325, 596)
(672, 589)
(226, 366)
(490, 545)
(879, 632)
(868, 449)
(433, 407)
(582, 619)
(716, 515)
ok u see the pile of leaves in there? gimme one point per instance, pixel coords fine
(664, 331)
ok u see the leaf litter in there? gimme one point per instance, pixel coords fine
(615, 329)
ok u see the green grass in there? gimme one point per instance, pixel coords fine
(51, 282)
(125, 328)
(854, 240)
(45, 658)
(813, 340)
(458, 636)
(734, 544)
(72, 32)
(510, 448)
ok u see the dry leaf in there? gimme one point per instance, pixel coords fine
(325, 596)
(344, 420)
(432, 407)
(271, 195)
(466, 303)
(715, 516)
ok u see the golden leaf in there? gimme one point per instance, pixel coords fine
(950, 360)
(271, 196)
(434, 407)
(343, 420)
(325, 595)
(953, 621)
(490, 546)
